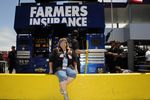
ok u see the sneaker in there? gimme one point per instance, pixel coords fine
(66, 96)
(61, 91)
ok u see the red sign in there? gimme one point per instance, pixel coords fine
(137, 1)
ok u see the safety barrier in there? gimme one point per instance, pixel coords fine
(134, 86)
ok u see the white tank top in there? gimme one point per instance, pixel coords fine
(65, 61)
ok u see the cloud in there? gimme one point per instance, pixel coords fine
(7, 38)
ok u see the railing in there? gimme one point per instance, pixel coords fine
(92, 56)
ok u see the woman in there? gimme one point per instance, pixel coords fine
(63, 64)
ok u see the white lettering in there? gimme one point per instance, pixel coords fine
(30, 21)
(78, 22)
(33, 11)
(43, 21)
(71, 21)
(52, 20)
(71, 15)
(48, 11)
(58, 11)
(48, 20)
(56, 20)
(36, 21)
(68, 11)
(40, 12)
(84, 11)
(75, 11)
(84, 21)
(64, 20)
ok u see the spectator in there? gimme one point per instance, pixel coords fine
(75, 47)
(63, 64)
(110, 58)
(12, 59)
(1, 56)
(120, 70)
(114, 56)
(1, 64)
(147, 56)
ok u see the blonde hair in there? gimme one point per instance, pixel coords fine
(61, 40)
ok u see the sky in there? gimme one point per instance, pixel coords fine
(7, 16)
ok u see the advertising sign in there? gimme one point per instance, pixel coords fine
(73, 15)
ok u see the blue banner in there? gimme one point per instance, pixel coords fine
(73, 15)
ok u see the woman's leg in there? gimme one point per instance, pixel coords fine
(63, 86)
(65, 77)
(71, 75)
(69, 80)
(62, 76)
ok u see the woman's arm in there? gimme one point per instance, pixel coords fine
(75, 60)
(50, 67)
(51, 61)
(75, 66)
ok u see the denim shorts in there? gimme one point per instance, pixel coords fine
(64, 74)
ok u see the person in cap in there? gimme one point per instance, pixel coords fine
(75, 46)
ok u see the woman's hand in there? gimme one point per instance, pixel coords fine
(69, 51)
(50, 72)
(77, 71)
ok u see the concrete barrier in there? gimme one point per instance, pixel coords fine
(84, 87)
